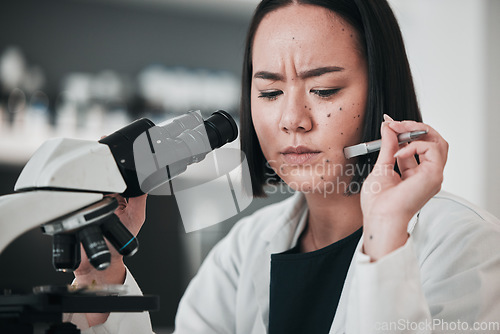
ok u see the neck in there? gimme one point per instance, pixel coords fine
(331, 218)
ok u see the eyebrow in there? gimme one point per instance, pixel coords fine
(316, 72)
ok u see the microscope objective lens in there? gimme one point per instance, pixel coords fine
(93, 242)
(65, 252)
(119, 236)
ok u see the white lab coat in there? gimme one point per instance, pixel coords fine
(446, 278)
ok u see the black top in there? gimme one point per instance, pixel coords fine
(306, 287)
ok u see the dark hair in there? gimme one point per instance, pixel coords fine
(390, 84)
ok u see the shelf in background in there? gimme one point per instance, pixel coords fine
(228, 8)
(16, 147)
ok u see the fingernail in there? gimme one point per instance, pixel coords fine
(387, 118)
(398, 153)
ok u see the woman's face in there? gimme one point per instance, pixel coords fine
(308, 95)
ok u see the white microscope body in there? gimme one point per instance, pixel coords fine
(63, 176)
(62, 188)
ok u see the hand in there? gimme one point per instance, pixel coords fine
(389, 200)
(132, 214)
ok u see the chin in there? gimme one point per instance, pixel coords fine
(304, 183)
(332, 185)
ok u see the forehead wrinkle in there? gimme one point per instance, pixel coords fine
(306, 74)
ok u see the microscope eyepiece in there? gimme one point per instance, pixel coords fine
(95, 246)
(221, 129)
(65, 252)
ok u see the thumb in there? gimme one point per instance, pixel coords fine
(389, 145)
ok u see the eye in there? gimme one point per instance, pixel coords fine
(324, 93)
(270, 94)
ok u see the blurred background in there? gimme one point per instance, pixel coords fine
(83, 69)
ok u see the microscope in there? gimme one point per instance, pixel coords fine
(64, 186)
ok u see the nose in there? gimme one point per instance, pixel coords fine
(296, 115)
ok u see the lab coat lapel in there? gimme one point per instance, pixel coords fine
(279, 237)
(338, 325)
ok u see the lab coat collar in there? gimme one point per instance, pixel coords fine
(285, 232)
(279, 236)
(282, 235)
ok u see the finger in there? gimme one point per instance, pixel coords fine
(431, 136)
(122, 202)
(407, 126)
(389, 146)
(134, 214)
(426, 177)
(406, 164)
(428, 152)
(138, 202)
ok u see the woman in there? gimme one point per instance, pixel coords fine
(365, 245)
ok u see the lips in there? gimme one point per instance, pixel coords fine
(299, 155)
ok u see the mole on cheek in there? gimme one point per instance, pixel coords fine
(328, 115)
(340, 108)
